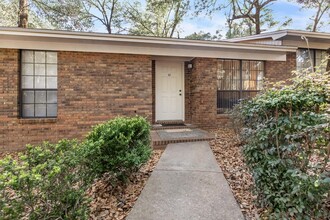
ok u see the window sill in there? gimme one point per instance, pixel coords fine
(37, 120)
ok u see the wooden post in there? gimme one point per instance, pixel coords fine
(23, 14)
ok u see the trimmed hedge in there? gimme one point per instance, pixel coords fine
(119, 146)
(49, 181)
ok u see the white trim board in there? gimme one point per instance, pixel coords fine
(142, 49)
(15, 38)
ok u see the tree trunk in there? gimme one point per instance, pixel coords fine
(23, 14)
(257, 21)
(328, 65)
(316, 19)
(258, 29)
(109, 29)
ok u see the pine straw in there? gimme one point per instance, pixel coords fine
(115, 203)
(228, 154)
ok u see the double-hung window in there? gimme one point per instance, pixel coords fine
(38, 84)
(237, 79)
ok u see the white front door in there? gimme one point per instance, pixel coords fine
(169, 91)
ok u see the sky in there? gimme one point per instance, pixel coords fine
(281, 10)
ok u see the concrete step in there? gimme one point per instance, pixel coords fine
(162, 137)
(170, 122)
(171, 126)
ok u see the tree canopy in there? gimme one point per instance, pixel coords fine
(203, 36)
(322, 9)
(158, 17)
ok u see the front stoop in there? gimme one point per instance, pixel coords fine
(170, 122)
(172, 126)
(162, 137)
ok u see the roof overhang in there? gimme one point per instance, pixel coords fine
(291, 36)
(312, 35)
(17, 38)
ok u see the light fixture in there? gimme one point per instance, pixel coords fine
(190, 66)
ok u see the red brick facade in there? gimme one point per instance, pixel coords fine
(92, 88)
(280, 71)
(204, 92)
(188, 92)
(203, 88)
(95, 87)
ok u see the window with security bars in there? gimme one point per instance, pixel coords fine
(237, 79)
(38, 84)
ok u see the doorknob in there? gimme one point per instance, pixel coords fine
(180, 90)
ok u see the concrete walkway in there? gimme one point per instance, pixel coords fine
(187, 184)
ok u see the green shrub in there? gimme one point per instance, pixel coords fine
(119, 146)
(47, 182)
(286, 132)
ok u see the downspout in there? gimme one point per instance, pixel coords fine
(303, 37)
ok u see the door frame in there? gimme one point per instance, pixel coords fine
(182, 84)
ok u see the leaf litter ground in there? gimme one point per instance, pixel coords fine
(227, 151)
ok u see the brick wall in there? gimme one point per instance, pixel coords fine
(92, 88)
(9, 90)
(203, 92)
(203, 88)
(153, 71)
(187, 89)
(280, 70)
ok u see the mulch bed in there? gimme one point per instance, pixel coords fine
(109, 202)
(12, 154)
(228, 154)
